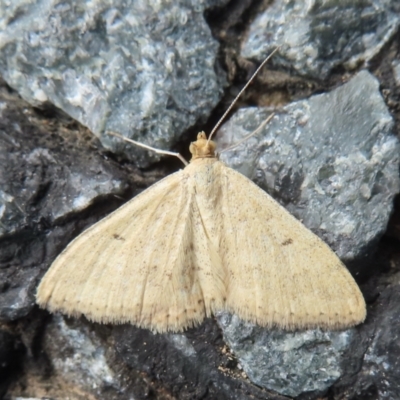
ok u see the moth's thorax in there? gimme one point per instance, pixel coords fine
(202, 148)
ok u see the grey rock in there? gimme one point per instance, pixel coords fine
(396, 71)
(26, 398)
(74, 190)
(44, 180)
(145, 70)
(11, 358)
(331, 160)
(288, 363)
(190, 365)
(377, 375)
(17, 292)
(78, 356)
(318, 36)
(53, 178)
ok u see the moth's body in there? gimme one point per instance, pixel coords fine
(202, 239)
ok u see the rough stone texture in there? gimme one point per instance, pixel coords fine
(73, 359)
(381, 368)
(289, 363)
(43, 181)
(11, 354)
(378, 343)
(319, 36)
(396, 71)
(49, 179)
(117, 66)
(191, 365)
(78, 356)
(332, 160)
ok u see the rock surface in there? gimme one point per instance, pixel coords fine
(373, 364)
(195, 364)
(11, 356)
(117, 66)
(69, 346)
(316, 37)
(43, 181)
(288, 363)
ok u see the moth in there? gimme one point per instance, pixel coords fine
(203, 239)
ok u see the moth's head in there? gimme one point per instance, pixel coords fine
(202, 148)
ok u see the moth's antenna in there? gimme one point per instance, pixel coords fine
(145, 146)
(250, 134)
(239, 94)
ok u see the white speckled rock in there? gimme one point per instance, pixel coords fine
(144, 69)
(317, 36)
(289, 363)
